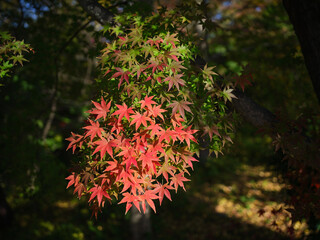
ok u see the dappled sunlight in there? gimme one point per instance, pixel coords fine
(254, 197)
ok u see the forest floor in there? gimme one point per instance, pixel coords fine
(245, 204)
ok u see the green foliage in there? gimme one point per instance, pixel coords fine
(11, 53)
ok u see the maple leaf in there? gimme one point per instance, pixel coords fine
(156, 111)
(130, 198)
(131, 160)
(138, 119)
(73, 180)
(138, 68)
(123, 40)
(123, 111)
(104, 146)
(155, 41)
(74, 139)
(180, 106)
(187, 135)
(173, 54)
(177, 180)
(148, 196)
(86, 176)
(148, 50)
(101, 110)
(207, 72)
(189, 159)
(165, 169)
(175, 66)
(162, 190)
(155, 129)
(176, 80)
(167, 135)
(243, 80)
(155, 64)
(227, 94)
(171, 38)
(176, 120)
(148, 159)
(116, 125)
(93, 130)
(147, 102)
(122, 74)
(99, 192)
(136, 36)
(80, 188)
(211, 130)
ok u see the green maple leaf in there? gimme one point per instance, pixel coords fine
(171, 38)
(227, 94)
(18, 58)
(207, 72)
(116, 30)
(5, 36)
(148, 50)
(136, 36)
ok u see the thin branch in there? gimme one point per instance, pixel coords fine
(97, 11)
(55, 90)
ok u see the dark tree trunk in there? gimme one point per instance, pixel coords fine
(6, 214)
(305, 18)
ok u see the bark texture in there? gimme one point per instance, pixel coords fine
(251, 111)
(305, 18)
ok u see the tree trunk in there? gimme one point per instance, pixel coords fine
(6, 214)
(305, 18)
(140, 223)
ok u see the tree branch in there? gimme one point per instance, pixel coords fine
(252, 112)
(96, 11)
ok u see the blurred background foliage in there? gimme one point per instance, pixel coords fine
(231, 197)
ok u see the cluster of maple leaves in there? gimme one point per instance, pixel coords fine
(143, 167)
(139, 144)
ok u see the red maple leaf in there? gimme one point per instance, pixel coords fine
(74, 139)
(155, 41)
(93, 130)
(165, 169)
(73, 179)
(101, 110)
(122, 74)
(175, 80)
(163, 190)
(148, 196)
(147, 102)
(176, 119)
(187, 135)
(130, 198)
(177, 180)
(99, 192)
(138, 119)
(123, 111)
(104, 146)
(155, 129)
(156, 111)
(80, 188)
